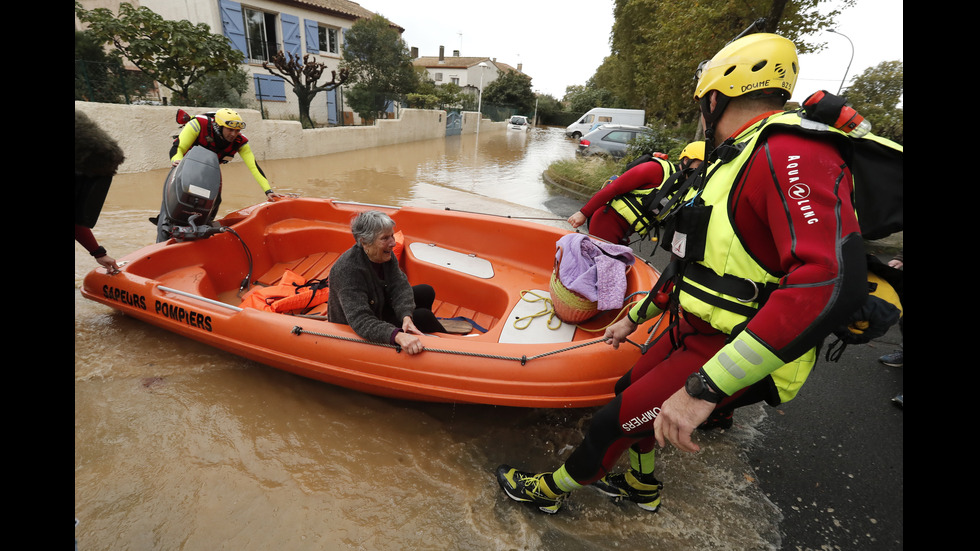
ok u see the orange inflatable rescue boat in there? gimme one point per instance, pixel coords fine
(258, 290)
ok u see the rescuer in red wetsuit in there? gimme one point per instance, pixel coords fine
(768, 260)
(615, 212)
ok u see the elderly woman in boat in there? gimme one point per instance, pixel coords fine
(369, 291)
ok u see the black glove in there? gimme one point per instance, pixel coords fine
(869, 322)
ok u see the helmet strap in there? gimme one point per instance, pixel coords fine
(218, 133)
(711, 116)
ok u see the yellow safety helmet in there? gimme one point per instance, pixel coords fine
(229, 119)
(756, 62)
(880, 288)
(693, 150)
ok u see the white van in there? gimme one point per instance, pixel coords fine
(604, 115)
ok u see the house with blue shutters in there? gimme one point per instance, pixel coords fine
(260, 28)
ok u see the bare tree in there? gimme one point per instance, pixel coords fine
(304, 77)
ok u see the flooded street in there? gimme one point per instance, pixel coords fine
(182, 446)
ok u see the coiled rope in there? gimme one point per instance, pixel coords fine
(548, 310)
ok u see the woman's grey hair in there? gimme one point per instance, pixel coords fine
(368, 225)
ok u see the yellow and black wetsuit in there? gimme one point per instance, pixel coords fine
(200, 131)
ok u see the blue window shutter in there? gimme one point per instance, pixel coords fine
(291, 42)
(269, 87)
(233, 25)
(332, 106)
(312, 36)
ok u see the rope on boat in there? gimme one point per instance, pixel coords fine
(549, 310)
(508, 215)
(297, 330)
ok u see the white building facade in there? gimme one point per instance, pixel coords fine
(261, 28)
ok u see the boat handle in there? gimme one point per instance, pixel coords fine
(199, 297)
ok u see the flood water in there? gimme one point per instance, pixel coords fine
(181, 446)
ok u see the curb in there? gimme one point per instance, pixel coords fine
(567, 187)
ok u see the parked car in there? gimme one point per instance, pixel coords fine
(518, 122)
(611, 139)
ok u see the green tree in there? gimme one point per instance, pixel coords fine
(177, 54)
(548, 105)
(877, 95)
(657, 44)
(304, 77)
(581, 98)
(97, 77)
(452, 95)
(512, 89)
(379, 64)
(426, 94)
(659, 140)
(225, 89)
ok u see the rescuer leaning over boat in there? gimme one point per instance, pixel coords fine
(220, 132)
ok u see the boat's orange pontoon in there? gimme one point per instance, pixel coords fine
(491, 270)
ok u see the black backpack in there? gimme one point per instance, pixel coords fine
(877, 165)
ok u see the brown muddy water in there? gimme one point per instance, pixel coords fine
(179, 446)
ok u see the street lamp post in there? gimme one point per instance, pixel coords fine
(848, 63)
(534, 119)
(479, 105)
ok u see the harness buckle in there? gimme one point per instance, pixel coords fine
(755, 292)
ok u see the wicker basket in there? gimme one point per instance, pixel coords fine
(570, 307)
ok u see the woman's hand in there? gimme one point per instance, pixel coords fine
(408, 326)
(409, 343)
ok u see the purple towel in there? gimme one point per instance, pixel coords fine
(596, 270)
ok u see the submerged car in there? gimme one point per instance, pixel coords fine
(611, 140)
(518, 122)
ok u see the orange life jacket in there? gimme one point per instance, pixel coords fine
(293, 292)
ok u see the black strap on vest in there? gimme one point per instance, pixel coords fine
(653, 203)
(699, 178)
(744, 290)
(645, 218)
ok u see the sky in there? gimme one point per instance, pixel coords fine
(560, 46)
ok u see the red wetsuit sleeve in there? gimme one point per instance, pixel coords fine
(641, 176)
(793, 211)
(85, 238)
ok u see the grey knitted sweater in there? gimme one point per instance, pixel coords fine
(358, 296)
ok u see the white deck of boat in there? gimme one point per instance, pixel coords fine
(466, 263)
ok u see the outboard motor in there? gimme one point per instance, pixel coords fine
(191, 195)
